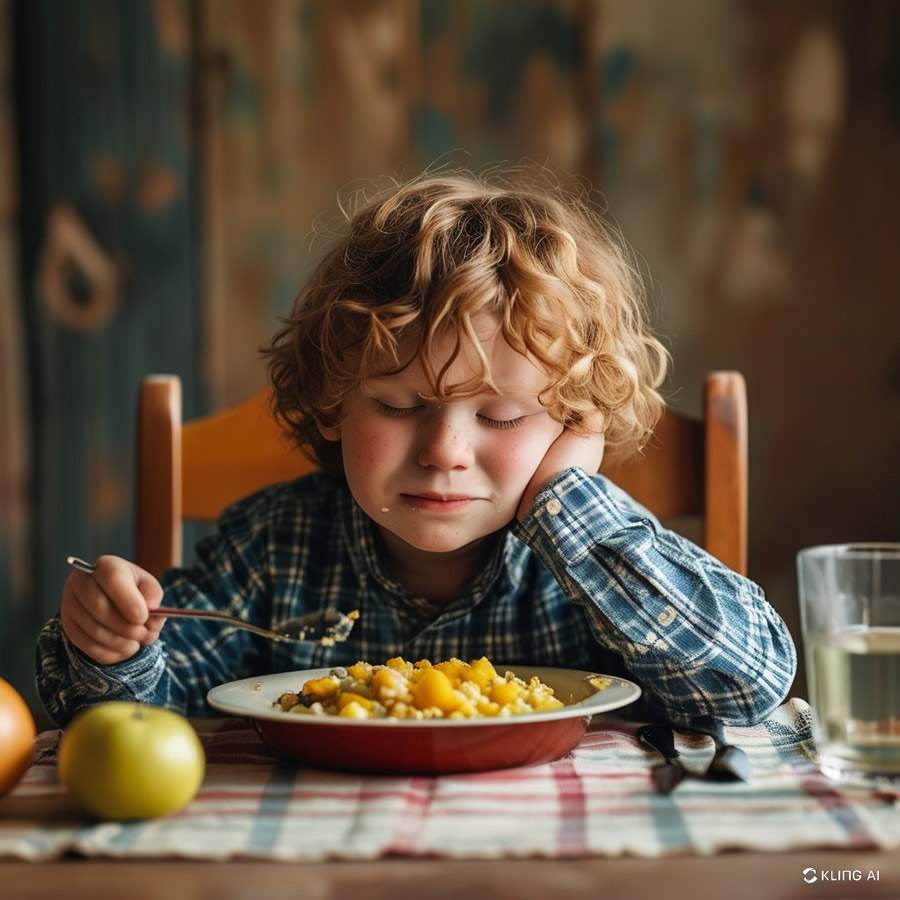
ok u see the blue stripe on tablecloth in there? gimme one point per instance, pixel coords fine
(668, 822)
(127, 835)
(273, 804)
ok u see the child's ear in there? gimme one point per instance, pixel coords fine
(329, 432)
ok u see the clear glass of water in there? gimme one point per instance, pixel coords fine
(850, 613)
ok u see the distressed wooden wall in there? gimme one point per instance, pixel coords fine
(748, 150)
(109, 259)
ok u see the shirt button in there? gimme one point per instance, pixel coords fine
(553, 507)
(666, 616)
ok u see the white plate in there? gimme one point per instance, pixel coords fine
(254, 697)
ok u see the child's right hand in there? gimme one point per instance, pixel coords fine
(107, 614)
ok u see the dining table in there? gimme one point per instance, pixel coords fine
(590, 824)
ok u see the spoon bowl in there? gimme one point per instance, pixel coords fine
(729, 763)
(316, 626)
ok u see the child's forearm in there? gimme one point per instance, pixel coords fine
(699, 637)
(68, 680)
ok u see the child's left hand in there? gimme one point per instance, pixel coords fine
(569, 449)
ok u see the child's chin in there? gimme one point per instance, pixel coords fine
(437, 542)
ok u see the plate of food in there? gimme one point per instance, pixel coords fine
(423, 717)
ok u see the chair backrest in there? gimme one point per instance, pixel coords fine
(193, 470)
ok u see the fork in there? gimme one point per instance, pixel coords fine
(327, 627)
(666, 776)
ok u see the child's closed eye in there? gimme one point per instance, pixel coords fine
(401, 411)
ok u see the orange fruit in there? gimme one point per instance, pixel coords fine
(16, 737)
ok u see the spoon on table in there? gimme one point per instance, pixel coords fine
(330, 626)
(729, 763)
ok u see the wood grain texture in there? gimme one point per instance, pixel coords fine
(159, 459)
(736, 876)
(725, 403)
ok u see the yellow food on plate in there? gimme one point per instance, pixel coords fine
(452, 689)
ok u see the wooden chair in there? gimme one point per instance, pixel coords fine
(193, 470)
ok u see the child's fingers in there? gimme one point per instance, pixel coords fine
(594, 421)
(154, 626)
(89, 645)
(101, 634)
(92, 598)
(152, 592)
(118, 579)
(153, 633)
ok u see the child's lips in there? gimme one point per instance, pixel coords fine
(438, 502)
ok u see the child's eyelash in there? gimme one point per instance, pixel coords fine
(401, 411)
(397, 411)
(503, 423)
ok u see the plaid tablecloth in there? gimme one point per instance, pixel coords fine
(596, 801)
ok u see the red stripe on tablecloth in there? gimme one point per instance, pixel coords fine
(416, 797)
(840, 809)
(404, 841)
(570, 836)
(408, 831)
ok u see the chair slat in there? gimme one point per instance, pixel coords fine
(232, 454)
(158, 474)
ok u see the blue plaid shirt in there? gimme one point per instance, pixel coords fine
(588, 580)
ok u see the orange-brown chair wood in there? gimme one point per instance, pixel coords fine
(193, 470)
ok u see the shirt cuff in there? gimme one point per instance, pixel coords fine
(134, 677)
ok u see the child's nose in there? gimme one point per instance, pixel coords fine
(443, 445)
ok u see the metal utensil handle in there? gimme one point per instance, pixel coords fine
(218, 616)
(81, 565)
(89, 569)
(661, 738)
(712, 728)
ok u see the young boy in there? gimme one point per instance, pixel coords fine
(456, 366)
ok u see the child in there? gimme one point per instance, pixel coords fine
(456, 366)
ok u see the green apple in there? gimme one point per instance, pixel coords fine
(130, 761)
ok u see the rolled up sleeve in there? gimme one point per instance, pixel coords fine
(699, 638)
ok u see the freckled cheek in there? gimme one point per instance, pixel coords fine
(514, 459)
(369, 447)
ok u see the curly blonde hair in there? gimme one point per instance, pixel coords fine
(423, 259)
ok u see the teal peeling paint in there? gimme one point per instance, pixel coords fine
(434, 20)
(499, 44)
(616, 69)
(433, 132)
(243, 101)
(100, 86)
(308, 23)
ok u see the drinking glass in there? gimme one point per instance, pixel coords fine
(850, 614)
